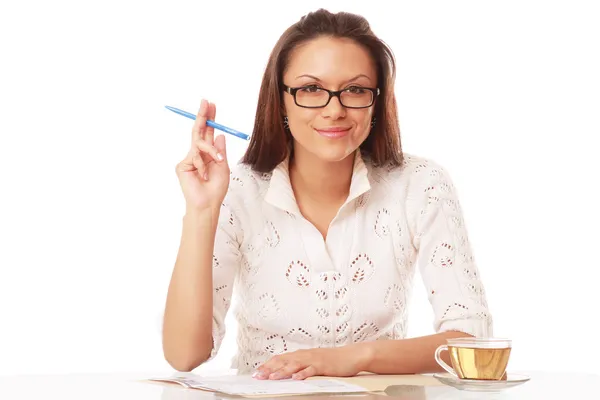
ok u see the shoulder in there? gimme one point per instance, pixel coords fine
(418, 184)
(416, 172)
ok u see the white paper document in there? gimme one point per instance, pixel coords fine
(245, 385)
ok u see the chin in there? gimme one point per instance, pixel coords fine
(334, 153)
(330, 150)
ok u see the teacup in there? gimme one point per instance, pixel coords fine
(476, 358)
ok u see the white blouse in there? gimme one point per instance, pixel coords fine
(298, 291)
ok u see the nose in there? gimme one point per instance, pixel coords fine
(334, 110)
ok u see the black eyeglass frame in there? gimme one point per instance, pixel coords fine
(332, 93)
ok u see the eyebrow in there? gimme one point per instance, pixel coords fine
(349, 80)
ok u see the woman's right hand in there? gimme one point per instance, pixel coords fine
(204, 173)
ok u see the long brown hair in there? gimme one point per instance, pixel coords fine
(269, 144)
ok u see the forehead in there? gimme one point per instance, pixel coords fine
(331, 60)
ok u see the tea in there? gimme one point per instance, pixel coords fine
(476, 358)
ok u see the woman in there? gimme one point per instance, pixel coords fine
(320, 225)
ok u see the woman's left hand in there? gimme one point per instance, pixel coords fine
(301, 364)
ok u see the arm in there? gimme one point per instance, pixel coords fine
(445, 258)
(200, 289)
(450, 276)
(405, 356)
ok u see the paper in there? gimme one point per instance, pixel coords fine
(245, 385)
(376, 383)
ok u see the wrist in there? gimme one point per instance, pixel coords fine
(365, 354)
(205, 216)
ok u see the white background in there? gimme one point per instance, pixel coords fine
(506, 96)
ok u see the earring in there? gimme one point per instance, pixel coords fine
(373, 120)
(286, 123)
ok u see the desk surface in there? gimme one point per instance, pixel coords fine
(134, 387)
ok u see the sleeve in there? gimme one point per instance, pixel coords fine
(444, 257)
(226, 262)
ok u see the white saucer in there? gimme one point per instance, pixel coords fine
(481, 385)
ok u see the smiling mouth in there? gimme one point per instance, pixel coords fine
(335, 132)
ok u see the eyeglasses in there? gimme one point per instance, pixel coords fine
(312, 96)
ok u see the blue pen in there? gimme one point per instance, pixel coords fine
(210, 123)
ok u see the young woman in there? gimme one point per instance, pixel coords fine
(321, 224)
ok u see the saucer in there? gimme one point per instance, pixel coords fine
(481, 385)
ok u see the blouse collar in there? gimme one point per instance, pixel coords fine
(280, 193)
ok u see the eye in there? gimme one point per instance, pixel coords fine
(310, 89)
(356, 90)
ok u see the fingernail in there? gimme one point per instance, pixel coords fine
(206, 176)
(295, 376)
(259, 375)
(274, 375)
(220, 156)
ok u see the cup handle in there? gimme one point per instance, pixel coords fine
(439, 360)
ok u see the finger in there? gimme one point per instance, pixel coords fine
(307, 372)
(269, 367)
(200, 124)
(200, 166)
(220, 145)
(186, 165)
(207, 148)
(210, 131)
(287, 370)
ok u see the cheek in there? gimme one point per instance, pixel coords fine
(363, 120)
(301, 117)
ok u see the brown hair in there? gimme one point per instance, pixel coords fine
(269, 143)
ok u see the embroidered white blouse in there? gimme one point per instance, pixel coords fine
(298, 291)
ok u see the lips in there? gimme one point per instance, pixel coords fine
(334, 131)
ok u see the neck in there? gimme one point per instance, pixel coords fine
(321, 180)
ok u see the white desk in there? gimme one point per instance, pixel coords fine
(132, 387)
